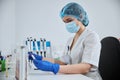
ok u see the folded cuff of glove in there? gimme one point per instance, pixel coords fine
(56, 68)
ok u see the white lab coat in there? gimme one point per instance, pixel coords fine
(87, 50)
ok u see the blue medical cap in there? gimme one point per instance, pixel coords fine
(76, 11)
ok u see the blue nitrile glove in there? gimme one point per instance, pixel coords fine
(38, 57)
(46, 66)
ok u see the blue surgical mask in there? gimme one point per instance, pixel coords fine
(72, 27)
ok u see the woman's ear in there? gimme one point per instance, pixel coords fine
(81, 17)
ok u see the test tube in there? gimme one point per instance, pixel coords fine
(33, 57)
(41, 46)
(44, 53)
(48, 49)
(31, 44)
(34, 48)
(44, 47)
(38, 46)
(6, 67)
(41, 53)
(28, 44)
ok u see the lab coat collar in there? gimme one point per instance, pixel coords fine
(82, 36)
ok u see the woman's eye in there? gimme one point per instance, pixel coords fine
(69, 21)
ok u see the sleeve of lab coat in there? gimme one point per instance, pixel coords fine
(92, 47)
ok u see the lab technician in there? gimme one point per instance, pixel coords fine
(82, 52)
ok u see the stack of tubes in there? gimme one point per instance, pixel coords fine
(39, 47)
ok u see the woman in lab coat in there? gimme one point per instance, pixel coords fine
(82, 52)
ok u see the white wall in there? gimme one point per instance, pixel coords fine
(7, 26)
(40, 18)
(105, 17)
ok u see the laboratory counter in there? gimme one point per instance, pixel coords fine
(47, 76)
